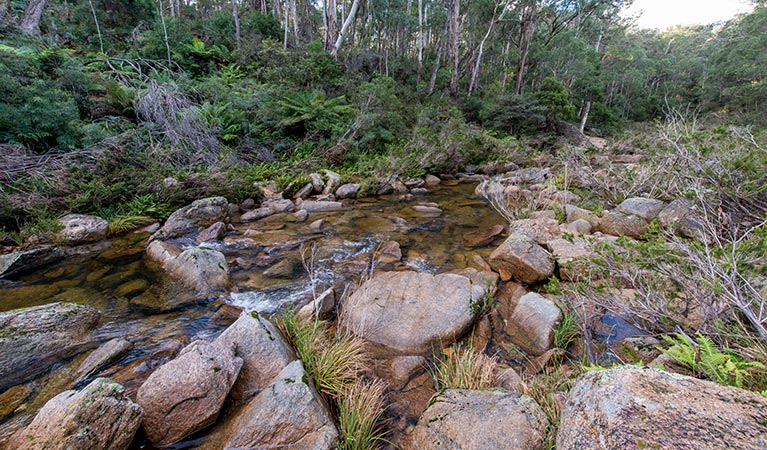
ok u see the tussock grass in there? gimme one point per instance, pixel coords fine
(360, 411)
(462, 367)
(125, 224)
(334, 361)
(545, 389)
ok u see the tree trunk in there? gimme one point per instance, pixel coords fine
(30, 22)
(526, 31)
(345, 27)
(98, 28)
(331, 24)
(587, 109)
(420, 39)
(440, 50)
(455, 30)
(478, 62)
(164, 31)
(236, 16)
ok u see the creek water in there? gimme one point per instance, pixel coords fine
(268, 260)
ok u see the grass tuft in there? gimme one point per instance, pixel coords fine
(462, 367)
(360, 411)
(125, 224)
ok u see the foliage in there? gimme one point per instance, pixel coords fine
(703, 358)
(463, 367)
(554, 97)
(568, 330)
(360, 415)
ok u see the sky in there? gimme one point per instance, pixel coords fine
(662, 14)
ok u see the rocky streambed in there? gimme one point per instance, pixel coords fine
(163, 338)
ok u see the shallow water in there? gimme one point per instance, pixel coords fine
(117, 280)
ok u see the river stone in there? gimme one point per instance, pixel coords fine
(256, 214)
(541, 229)
(263, 350)
(428, 210)
(19, 263)
(635, 408)
(287, 414)
(320, 307)
(317, 183)
(574, 213)
(478, 420)
(577, 227)
(213, 233)
(431, 180)
(646, 208)
(201, 213)
(280, 206)
(409, 312)
(162, 252)
(334, 180)
(320, 206)
(532, 324)
(483, 236)
(619, 224)
(305, 191)
(520, 258)
(33, 339)
(98, 417)
(202, 269)
(106, 354)
(82, 229)
(573, 258)
(348, 190)
(186, 394)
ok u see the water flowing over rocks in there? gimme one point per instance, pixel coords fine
(476, 420)
(186, 394)
(98, 417)
(635, 408)
(33, 339)
(409, 312)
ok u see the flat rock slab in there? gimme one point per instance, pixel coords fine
(19, 263)
(200, 214)
(318, 206)
(409, 312)
(480, 420)
(643, 408)
(98, 417)
(33, 339)
(287, 414)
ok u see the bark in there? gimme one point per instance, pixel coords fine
(526, 32)
(236, 16)
(164, 31)
(30, 22)
(455, 30)
(345, 27)
(587, 109)
(440, 50)
(331, 24)
(420, 39)
(98, 28)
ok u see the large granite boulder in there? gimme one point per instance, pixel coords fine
(82, 229)
(33, 339)
(522, 259)
(620, 224)
(200, 214)
(202, 269)
(409, 312)
(532, 324)
(480, 420)
(185, 395)
(98, 417)
(643, 408)
(287, 414)
(263, 350)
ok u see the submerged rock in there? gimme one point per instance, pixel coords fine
(82, 229)
(635, 408)
(186, 394)
(287, 414)
(98, 417)
(21, 262)
(107, 353)
(33, 339)
(409, 312)
(477, 420)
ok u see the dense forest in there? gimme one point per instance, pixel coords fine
(221, 94)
